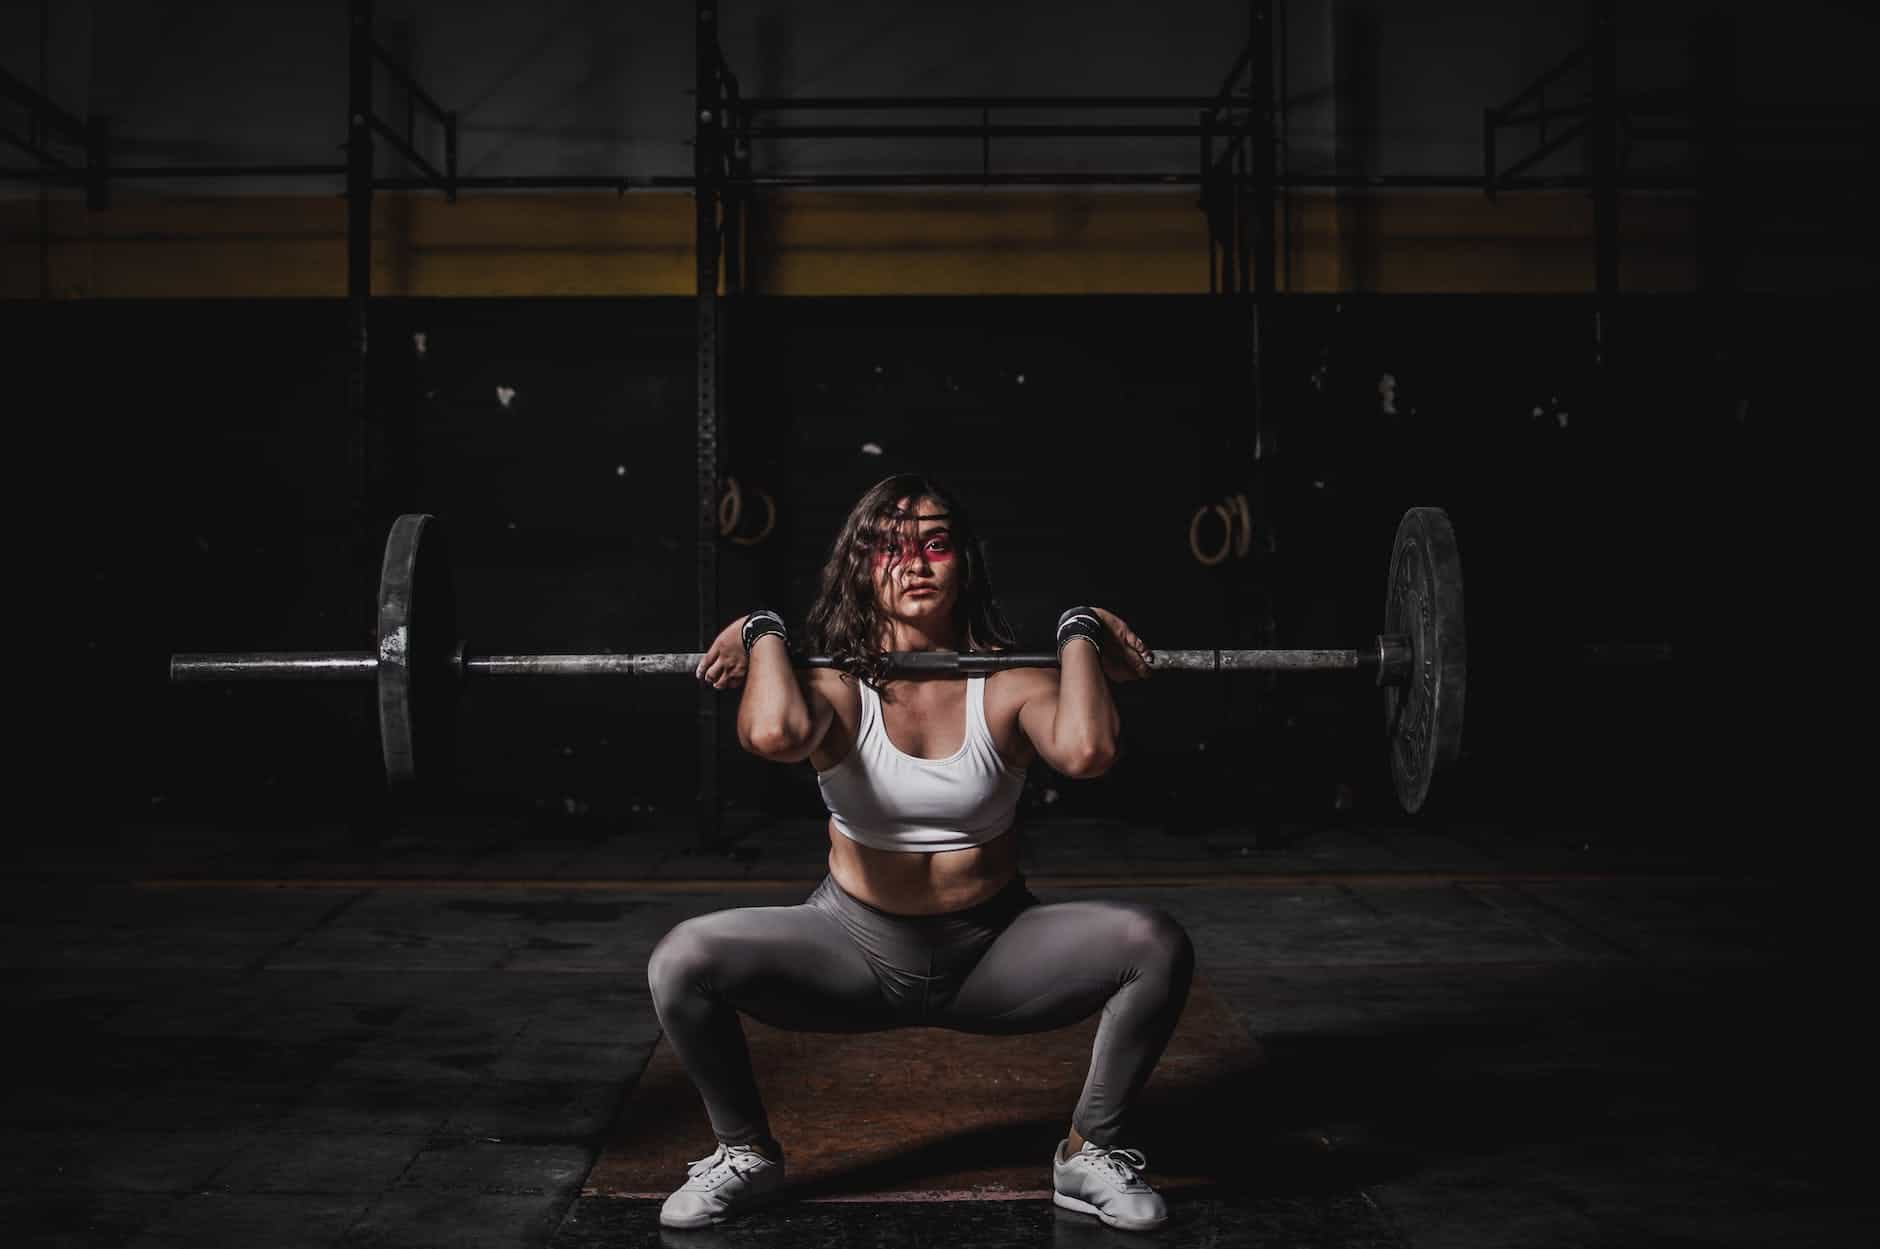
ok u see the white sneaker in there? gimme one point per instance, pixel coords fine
(734, 1179)
(1108, 1184)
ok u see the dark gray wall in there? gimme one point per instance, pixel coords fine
(591, 86)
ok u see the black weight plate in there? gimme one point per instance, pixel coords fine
(418, 666)
(1423, 602)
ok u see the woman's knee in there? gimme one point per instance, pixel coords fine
(683, 961)
(1156, 939)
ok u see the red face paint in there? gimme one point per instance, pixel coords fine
(938, 549)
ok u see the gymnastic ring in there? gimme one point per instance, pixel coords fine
(732, 501)
(1245, 541)
(1194, 535)
(770, 520)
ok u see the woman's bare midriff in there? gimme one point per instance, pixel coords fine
(922, 884)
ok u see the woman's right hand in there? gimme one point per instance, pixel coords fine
(724, 664)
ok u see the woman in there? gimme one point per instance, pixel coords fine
(923, 919)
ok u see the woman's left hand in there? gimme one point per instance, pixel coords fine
(1125, 657)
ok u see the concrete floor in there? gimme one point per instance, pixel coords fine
(1472, 1038)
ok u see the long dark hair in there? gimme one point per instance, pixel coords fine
(846, 620)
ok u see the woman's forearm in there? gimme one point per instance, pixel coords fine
(772, 713)
(1087, 721)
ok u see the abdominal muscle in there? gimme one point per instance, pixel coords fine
(922, 883)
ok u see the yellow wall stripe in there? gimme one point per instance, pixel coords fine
(810, 242)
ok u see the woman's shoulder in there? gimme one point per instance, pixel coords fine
(1021, 683)
(832, 683)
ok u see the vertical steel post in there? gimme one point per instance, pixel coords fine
(1206, 122)
(736, 199)
(1261, 104)
(1282, 143)
(708, 125)
(1602, 142)
(359, 177)
(1265, 141)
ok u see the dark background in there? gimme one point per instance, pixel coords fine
(197, 472)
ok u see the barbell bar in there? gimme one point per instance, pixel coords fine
(1420, 660)
(1389, 658)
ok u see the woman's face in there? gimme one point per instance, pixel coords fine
(915, 569)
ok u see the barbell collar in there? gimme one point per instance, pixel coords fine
(1394, 659)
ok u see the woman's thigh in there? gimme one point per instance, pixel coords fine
(1056, 964)
(788, 966)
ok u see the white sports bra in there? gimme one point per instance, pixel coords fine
(888, 800)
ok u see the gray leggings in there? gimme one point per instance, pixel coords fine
(1007, 966)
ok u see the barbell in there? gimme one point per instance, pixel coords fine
(1419, 659)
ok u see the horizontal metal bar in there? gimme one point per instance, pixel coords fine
(407, 81)
(1264, 660)
(276, 666)
(776, 103)
(685, 663)
(1470, 182)
(1384, 181)
(1013, 178)
(622, 184)
(1004, 130)
(227, 171)
(667, 664)
(618, 183)
(1465, 182)
(363, 665)
(185, 172)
